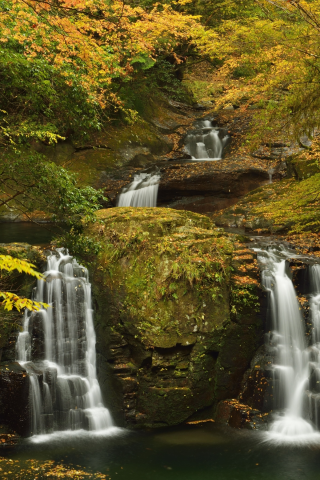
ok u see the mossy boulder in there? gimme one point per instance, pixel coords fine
(168, 337)
(289, 206)
(95, 155)
(301, 167)
(123, 145)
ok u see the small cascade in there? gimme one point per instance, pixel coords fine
(270, 172)
(142, 191)
(57, 349)
(206, 142)
(296, 367)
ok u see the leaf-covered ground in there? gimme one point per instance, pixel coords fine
(289, 206)
(37, 470)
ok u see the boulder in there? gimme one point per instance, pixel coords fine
(14, 398)
(173, 335)
(210, 185)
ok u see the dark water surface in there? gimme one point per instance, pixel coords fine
(190, 453)
(27, 232)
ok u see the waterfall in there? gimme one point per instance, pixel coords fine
(57, 349)
(270, 172)
(142, 191)
(295, 362)
(206, 142)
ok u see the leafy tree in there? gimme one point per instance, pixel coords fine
(63, 66)
(271, 60)
(29, 184)
(11, 300)
(63, 63)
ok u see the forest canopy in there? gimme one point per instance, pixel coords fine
(67, 67)
(63, 63)
(270, 54)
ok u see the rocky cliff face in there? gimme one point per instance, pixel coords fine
(177, 314)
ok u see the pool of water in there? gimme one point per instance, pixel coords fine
(27, 232)
(196, 452)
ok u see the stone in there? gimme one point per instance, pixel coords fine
(167, 348)
(220, 183)
(14, 398)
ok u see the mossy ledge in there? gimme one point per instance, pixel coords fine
(171, 340)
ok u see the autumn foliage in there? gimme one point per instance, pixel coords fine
(269, 56)
(67, 60)
(10, 300)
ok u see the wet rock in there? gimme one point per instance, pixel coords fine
(14, 398)
(166, 125)
(255, 402)
(238, 415)
(220, 183)
(305, 141)
(277, 150)
(166, 348)
(301, 169)
(199, 106)
(258, 382)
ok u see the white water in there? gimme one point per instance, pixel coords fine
(270, 172)
(207, 143)
(57, 348)
(294, 359)
(142, 191)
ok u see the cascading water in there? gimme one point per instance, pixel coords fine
(207, 142)
(57, 349)
(296, 367)
(270, 172)
(142, 191)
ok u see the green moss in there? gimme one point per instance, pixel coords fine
(170, 268)
(302, 168)
(291, 205)
(288, 206)
(244, 300)
(161, 289)
(116, 144)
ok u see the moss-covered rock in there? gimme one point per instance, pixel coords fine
(121, 144)
(301, 167)
(170, 340)
(289, 206)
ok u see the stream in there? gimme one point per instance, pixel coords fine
(190, 453)
(77, 431)
(27, 232)
(205, 143)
